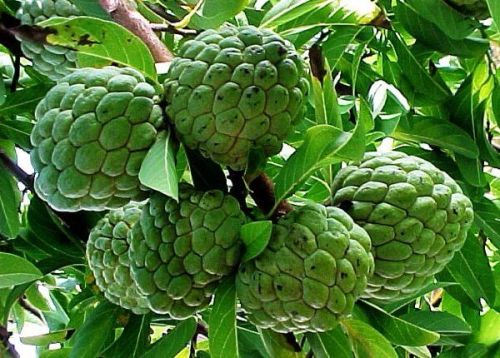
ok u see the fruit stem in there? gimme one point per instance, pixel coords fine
(123, 13)
(21, 175)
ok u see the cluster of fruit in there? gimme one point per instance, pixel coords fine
(394, 222)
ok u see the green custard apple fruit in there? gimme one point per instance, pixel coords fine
(180, 250)
(475, 8)
(415, 214)
(235, 90)
(92, 133)
(50, 60)
(315, 267)
(107, 256)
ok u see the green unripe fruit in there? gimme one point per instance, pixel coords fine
(234, 90)
(315, 267)
(475, 8)
(415, 214)
(107, 256)
(93, 131)
(52, 61)
(180, 250)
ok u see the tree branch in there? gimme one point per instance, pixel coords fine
(124, 14)
(239, 189)
(4, 338)
(21, 175)
(262, 192)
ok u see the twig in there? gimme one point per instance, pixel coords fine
(172, 29)
(239, 189)
(21, 175)
(123, 13)
(317, 62)
(17, 72)
(262, 192)
(7, 38)
(28, 307)
(201, 329)
(4, 338)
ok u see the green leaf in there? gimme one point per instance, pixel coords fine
(433, 90)
(444, 323)
(223, 340)
(448, 20)
(471, 270)
(24, 100)
(433, 37)
(46, 339)
(487, 217)
(288, 10)
(16, 270)
(368, 341)
(489, 331)
(9, 205)
(277, 345)
(134, 339)
(323, 145)
(437, 132)
(333, 343)
(214, 13)
(171, 344)
(17, 131)
(101, 43)
(494, 7)
(338, 42)
(158, 170)
(92, 8)
(90, 338)
(397, 330)
(56, 353)
(250, 344)
(255, 236)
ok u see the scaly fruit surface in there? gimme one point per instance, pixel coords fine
(235, 90)
(315, 267)
(50, 60)
(475, 8)
(180, 250)
(107, 256)
(415, 214)
(93, 131)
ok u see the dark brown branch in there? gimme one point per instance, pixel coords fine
(28, 307)
(17, 73)
(7, 38)
(4, 338)
(172, 29)
(262, 192)
(239, 189)
(124, 14)
(21, 175)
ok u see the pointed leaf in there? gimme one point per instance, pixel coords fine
(175, 341)
(223, 340)
(368, 341)
(15, 270)
(333, 343)
(158, 170)
(255, 236)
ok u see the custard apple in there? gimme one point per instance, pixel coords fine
(475, 8)
(234, 90)
(50, 60)
(315, 267)
(107, 255)
(93, 131)
(180, 250)
(415, 214)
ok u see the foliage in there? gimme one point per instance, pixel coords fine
(415, 76)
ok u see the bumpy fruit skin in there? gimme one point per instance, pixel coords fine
(475, 8)
(416, 216)
(107, 255)
(316, 265)
(234, 90)
(93, 131)
(179, 251)
(52, 61)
